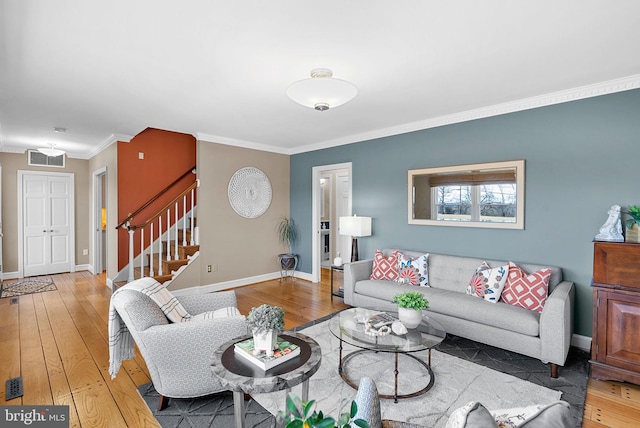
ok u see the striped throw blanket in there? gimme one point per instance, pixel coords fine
(120, 339)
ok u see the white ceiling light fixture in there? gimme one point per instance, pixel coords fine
(51, 151)
(322, 91)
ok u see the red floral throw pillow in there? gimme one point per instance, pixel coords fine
(526, 290)
(385, 267)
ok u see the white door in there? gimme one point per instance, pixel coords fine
(47, 223)
(342, 210)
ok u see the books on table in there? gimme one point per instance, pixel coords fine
(284, 351)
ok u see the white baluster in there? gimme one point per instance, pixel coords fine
(184, 221)
(130, 277)
(151, 251)
(142, 253)
(160, 246)
(192, 214)
(168, 234)
(176, 226)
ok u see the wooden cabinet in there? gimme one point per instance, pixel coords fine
(615, 350)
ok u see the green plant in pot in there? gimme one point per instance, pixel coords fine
(301, 414)
(266, 322)
(633, 224)
(410, 306)
(288, 233)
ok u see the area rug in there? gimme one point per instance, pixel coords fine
(27, 286)
(217, 410)
(457, 382)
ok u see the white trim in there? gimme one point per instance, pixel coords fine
(581, 342)
(113, 138)
(316, 172)
(201, 136)
(235, 283)
(10, 275)
(574, 94)
(87, 267)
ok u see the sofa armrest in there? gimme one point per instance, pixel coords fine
(556, 324)
(354, 272)
(199, 303)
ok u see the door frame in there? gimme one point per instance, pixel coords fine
(316, 173)
(72, 219)
(98, 196)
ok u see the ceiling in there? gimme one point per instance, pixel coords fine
(220, 69)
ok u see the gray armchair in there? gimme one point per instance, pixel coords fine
(178, 355)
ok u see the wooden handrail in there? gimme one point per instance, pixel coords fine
(165, 208)
(154, 198)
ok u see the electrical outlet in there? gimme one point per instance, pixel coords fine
(85, 252)
(209, 268)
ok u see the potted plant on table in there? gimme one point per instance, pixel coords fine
(633, 230)
(410, 305)
(266, 322)
(287, 232)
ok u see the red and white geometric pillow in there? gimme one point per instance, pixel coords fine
(385, 267)
(526, 290)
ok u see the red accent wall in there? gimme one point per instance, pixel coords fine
(167, 155)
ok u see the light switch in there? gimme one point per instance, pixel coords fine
(140, 155)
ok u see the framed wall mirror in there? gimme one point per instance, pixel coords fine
(478, 195)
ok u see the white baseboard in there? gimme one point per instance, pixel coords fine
(581, 342)
(85, 267)
(225, 285)
(10, 275)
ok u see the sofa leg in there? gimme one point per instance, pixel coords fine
(554, 370)
(163, 402)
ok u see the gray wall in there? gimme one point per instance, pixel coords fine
(581, 158)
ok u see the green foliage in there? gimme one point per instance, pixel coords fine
(266, 317)
(634, 212)
(301, 414)
(411, 300)
(287, 232)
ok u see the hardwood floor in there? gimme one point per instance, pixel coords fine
(57, 341)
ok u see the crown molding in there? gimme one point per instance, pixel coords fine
(200, 136)
(582, 92)
(113, 138)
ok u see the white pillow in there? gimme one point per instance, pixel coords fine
(488, 283)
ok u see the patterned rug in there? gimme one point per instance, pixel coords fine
(217, 410)
(27, 286)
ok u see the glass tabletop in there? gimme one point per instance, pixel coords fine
(353, 326)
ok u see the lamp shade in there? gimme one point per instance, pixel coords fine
(51, 151)
(355, 226)
(321, 91)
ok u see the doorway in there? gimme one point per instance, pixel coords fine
(100, 220)
(46, 223)
(331, 199)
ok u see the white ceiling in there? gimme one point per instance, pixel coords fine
(220, 69)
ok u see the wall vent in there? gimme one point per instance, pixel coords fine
(40, 159)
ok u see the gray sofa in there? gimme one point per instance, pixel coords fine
(544, 335)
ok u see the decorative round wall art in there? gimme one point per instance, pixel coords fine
(249, 192)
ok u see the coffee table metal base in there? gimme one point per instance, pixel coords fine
(395, 396)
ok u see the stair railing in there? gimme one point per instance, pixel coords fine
(159, 218)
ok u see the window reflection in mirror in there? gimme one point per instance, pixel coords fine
(479, 195)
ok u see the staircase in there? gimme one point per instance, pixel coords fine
(170, 241)
(169, 267)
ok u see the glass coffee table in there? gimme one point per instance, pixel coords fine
(350, 326)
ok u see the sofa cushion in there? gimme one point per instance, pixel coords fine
(385, 267)
(487, 283)
(471, 415)
(459, 305)
(481, 312)
(554, 415)
(413, 270)
(526, 290)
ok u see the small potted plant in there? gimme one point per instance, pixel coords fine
(266, 322)
(287, 232)
(410, 305)
(633, 228)
(300, 414)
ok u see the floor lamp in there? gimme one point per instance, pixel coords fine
(355, 227)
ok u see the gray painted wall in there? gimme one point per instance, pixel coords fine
(581, 158)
